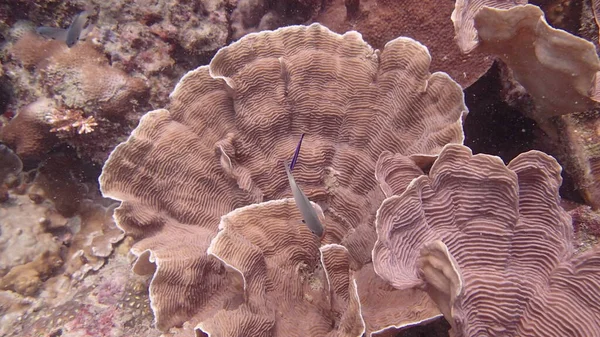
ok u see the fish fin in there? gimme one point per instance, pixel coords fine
(74, 32)
(86, 31)
(52, 33)
(296, 153)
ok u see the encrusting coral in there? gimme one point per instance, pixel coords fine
(26, 279)
(230, 125)
(81, 76)
(492, 246)
(81, 99)
(23, 237)
(50, 225)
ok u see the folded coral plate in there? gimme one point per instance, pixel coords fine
(219, 149)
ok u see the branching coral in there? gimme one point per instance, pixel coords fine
(492, 246)
(67, 120)
(221, 144)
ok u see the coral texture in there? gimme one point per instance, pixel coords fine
(283, 277)
(26, 279)
(111, 302)
(28, 133)
(23, 236)
(380, 21)
(80, 76)
(230, 125)
(580, 133)
(556, 68)
(492, 246)
(464, 14)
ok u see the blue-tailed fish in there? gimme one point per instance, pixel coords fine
(296, 153)
(70, 35)
(311, 219)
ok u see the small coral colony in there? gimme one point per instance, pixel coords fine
(300, 168)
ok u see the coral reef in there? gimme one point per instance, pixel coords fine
(420, 235)
(112, 302)
(586, 223)
(250, 16)
(45, 258)
(52, 217)
(86, 93)
(10, 164)
(549, 73)
(96, 98)
(26, 279)
(473, 233)
(23, 236)
(233, 122)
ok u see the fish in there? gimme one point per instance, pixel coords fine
(296, 153)
(76, 31)
(311, 219)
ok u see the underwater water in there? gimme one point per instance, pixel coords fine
(299, 168)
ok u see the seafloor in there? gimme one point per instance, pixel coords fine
(451, 152)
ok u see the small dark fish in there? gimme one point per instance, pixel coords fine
(71, 35)
(308, 212)
(296, 153)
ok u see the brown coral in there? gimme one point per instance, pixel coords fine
(283, 277)
(92, 101)
(380, 21)
(80, 76)
(558, 70)
(26, 279)
(492, 246)
(221, 145)
(463, 19)
(28, 133)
